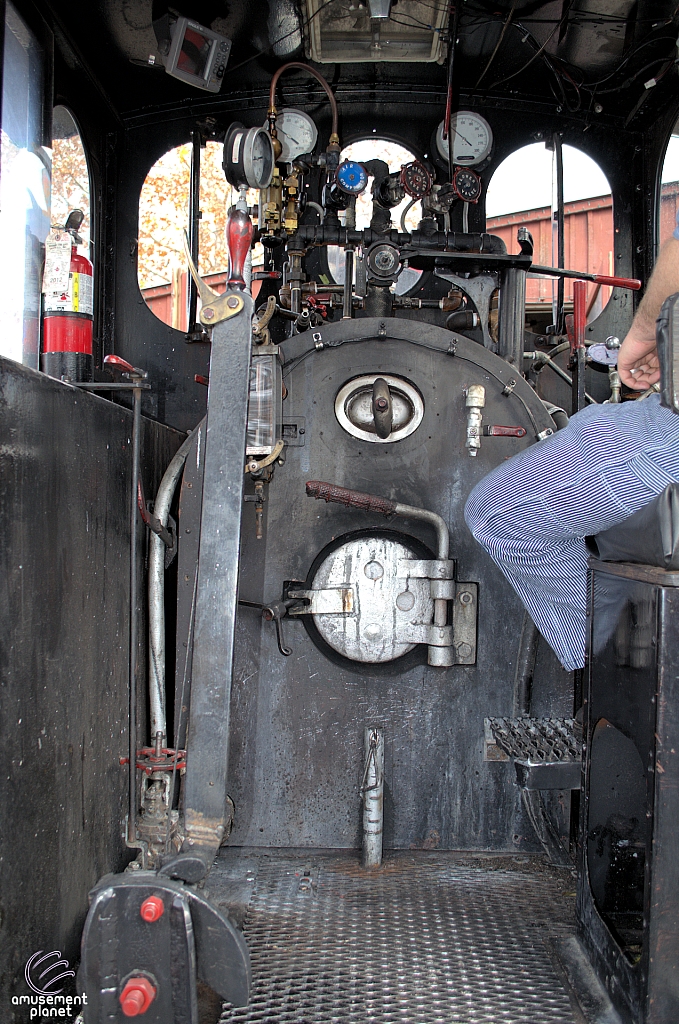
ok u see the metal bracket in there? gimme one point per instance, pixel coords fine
(215, 308)
(333, 601)
(465, 607)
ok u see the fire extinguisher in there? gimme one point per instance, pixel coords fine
(68, 311)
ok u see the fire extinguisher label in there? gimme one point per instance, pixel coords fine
(77, 298)
(57, 262)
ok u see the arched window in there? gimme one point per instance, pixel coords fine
(520, 194)
(163, 220)
(669, 189)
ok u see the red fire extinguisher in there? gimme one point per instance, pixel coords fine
(68, 307)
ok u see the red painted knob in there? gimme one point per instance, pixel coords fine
(238, 238)
(152, 909)
(137, 996)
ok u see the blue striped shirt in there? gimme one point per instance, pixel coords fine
(532, 513)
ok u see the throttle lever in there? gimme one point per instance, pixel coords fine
(495, 430)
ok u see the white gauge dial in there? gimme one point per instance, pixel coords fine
(297, 134)
(471, 136)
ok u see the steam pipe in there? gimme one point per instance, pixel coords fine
(319, 78)
(161, 511)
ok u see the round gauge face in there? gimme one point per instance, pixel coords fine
(296, 132)
(471, 136)
(416, 180)
(352, 177)
(258, 158)
(467, 185)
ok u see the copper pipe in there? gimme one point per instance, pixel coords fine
(319, 78)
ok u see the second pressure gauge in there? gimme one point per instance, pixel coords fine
(416, 180)
(248, 157)
(296, 132)
(471, 136)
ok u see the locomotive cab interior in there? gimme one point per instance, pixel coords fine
(282, 283)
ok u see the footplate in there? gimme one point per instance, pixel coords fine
(546, 751)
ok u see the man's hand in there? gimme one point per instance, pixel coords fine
(638, 364)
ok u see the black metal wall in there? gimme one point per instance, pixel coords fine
(65, 463)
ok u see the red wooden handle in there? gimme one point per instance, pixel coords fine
(238, 239)
(354, 499)
(496, 430)
(116, 363)
(633, 283)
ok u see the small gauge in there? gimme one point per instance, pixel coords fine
(248, 157)
(467, 185)
(296, 133)
(351, 177)
(416, 180)
(471, 136)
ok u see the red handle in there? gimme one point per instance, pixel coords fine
(498, 431)
(633, 283)
(354, 499)
(238, 238)
(116, 363)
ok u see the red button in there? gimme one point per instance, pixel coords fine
(137, 996)
(152, 909)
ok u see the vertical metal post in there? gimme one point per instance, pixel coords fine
(512, 316)
(348, 301)
(134, 615)
(558, 240)
(578, 356)
(194, 227)
(372, 790)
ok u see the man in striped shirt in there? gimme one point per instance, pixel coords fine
(533, 512)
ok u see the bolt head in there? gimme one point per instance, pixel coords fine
(464, 650)
(152, 909)
(466, 597)
(208, 313)
(137, 996)
(232, 302)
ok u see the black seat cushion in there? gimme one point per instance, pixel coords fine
(650, 536)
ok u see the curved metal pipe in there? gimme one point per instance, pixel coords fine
(161, 512)
(319, 78)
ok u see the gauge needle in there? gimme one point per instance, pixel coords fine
(461, 137)
(292, 138)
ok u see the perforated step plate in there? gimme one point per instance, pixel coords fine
(426, 939)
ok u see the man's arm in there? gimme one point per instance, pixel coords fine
(638, 359)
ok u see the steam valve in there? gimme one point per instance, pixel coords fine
(137, 996)
(476, 399)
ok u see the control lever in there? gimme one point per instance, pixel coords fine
(495, 430)
(274, 613)
(383, 408)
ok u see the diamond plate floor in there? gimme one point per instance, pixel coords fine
(423, 940)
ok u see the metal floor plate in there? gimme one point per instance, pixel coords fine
(423, 940)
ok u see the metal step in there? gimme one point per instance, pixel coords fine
(547, 752)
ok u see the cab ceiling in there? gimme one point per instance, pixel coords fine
(578, 54)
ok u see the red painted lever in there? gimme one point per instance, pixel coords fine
(116, 363)
(238, 238)
(498, 431)
(632, 283)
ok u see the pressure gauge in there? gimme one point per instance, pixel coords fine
(472, 138)
(416, 180)
(248, 157)
(467, 185)
(351, 177)
(296, 133)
